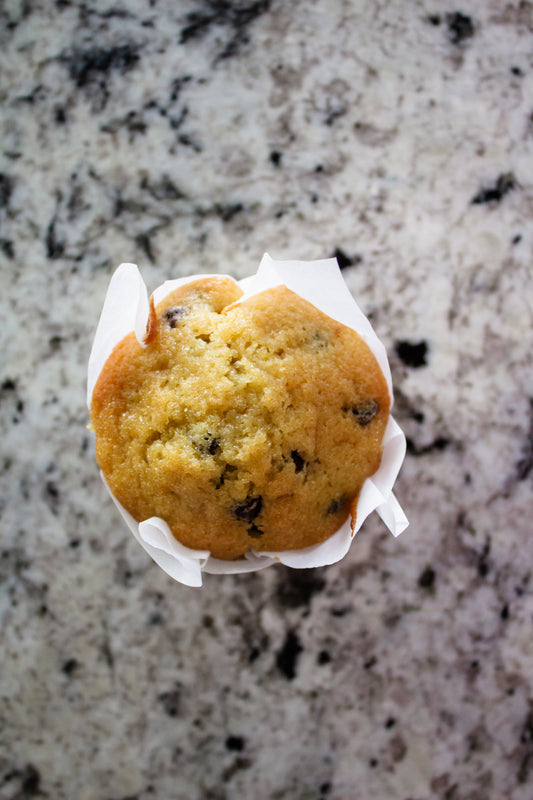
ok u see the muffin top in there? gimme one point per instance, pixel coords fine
(244, 425)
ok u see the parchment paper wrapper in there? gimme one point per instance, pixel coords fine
(321, 283)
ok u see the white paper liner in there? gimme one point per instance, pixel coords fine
(321, 283)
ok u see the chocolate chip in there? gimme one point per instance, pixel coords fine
(337, 505)
(299, 461)
(248, 510)
(226, 474)
(365, 412)
(173, 315)
(207, 444)
(319, 340)
(255, 532)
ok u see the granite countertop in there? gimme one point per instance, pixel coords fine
(193, 137)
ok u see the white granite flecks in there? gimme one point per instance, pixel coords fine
(194, 136)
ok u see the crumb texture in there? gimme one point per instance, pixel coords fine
(243, 426)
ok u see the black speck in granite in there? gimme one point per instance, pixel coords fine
(345, 260)
(525, 464)
(240, 763)
(516, 239)
(460, 27)
(334, 114)
(413, 354)
(8, 385)
(7, 184)
(324, 657)
(324, 789)
(60, 115)
(54, 246)
(143, 242)
(7, 247)
(176, 121)
(275, 158)
(28, 779)
(526, 735)
(236, 17)
(370, 662)
(36, 94)
(177, 86)
(390, 722)
(426, 579)
(225, 211)
(51, 497)
(434, 19)
(504, 613)
(437, 445)
(88, 65)
(55, 342)
(129, 797)
(296, 588)
(504, 184)
(171, 700)
(123, 572)
(235, 743)
(287, 657)
(162, 189)
(188, 141)
(30, 782)
(14, 561)
(228, 211)
(132, 122)
(517, 72)
(483, 566)
(70, 666)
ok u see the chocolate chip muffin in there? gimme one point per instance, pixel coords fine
(247, 425)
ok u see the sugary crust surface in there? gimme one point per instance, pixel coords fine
(247, 426)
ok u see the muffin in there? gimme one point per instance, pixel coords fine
(243, 425)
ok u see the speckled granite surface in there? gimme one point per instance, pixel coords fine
(195, 135)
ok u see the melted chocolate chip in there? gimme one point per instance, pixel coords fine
(337, 505)
(255, 532)
(248, 510)
(173, 315)
(208, 444)
(319, 340)
(365, 412)
(299, 460)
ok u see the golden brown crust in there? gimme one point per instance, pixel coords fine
(152, 325)
(252, 426)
